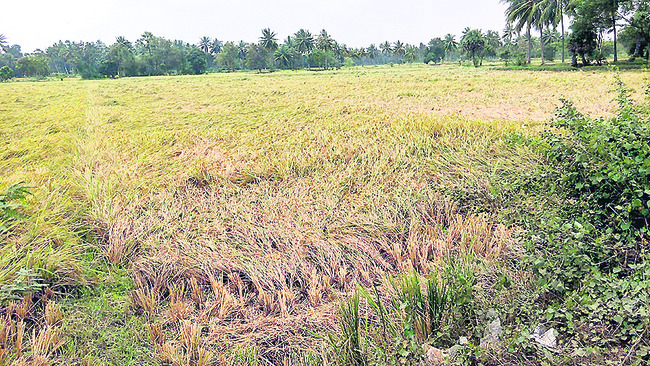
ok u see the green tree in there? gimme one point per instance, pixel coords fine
(509, 34)
(386, 48)
(197, 59)
(3, 43)
(554, 11)
(450, 44)
(473, 44)
(304, 41)
(205, 44)
(521, 13)
(636, 15)
(108, 68)
(399, 49)
(6, 73)
(435, 51)
(229, 56)
(583, 39)
(215, 47)
(121, 53)
(411, 53)
(36, 65)
(286, 56)
(257, 57)
(373, 51)
(325, 42)
(242, 49)
(268, 40)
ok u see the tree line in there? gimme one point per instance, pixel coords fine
(628, 21)
(590, 20)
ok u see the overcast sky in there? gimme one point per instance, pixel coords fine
(40, 23)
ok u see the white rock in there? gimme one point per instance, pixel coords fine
(544, 336)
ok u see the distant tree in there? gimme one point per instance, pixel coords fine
(36, 65)
(554, 11)
(551, 36)
(229, 56)
(197, 59)
(3, 43)
(450, 44)
(473, 44)
(509, 34)
(145, 41)
(286, 56)
(411, 53)
(304, 41)
(583, 39)
(373, 51)
(122, 54)
(493, 39)
(635, 14)
(268, 40)
(317, 58)
(399, 49)
(215, 46)
(6, 73)
(108, 68)
(386, 48)
(435, 51)
(242, 48)
(325, 42)
(205, 44)
(521, 13)
(257, 57)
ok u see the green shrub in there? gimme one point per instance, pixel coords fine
(591, 252)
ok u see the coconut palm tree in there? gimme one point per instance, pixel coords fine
(399, 49)
(493, 39)
(123, 42)
(411, 53)
(3, 43)
(509, 33)
(205, 43)
(521, 13)
(554, 11)
(268, 40)
(450, 45)
(215, 46)
(285, 55)
(540, 21)
(304, 41)
(372, 51)
(385, 47)
(242, 49)
(551, 36)
(324, 41)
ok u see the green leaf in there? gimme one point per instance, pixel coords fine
(617, 318)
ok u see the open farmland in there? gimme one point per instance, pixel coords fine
(221, 217)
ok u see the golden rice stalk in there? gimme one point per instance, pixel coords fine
(53, 313)
(47, 341)
(156, 334)
(20, 333)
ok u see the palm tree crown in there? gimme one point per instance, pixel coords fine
(268, 40)
(304, 41)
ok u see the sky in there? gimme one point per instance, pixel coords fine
(40, 23)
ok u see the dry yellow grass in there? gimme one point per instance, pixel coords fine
(244, 204)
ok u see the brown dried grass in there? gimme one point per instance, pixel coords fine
(262, 275)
